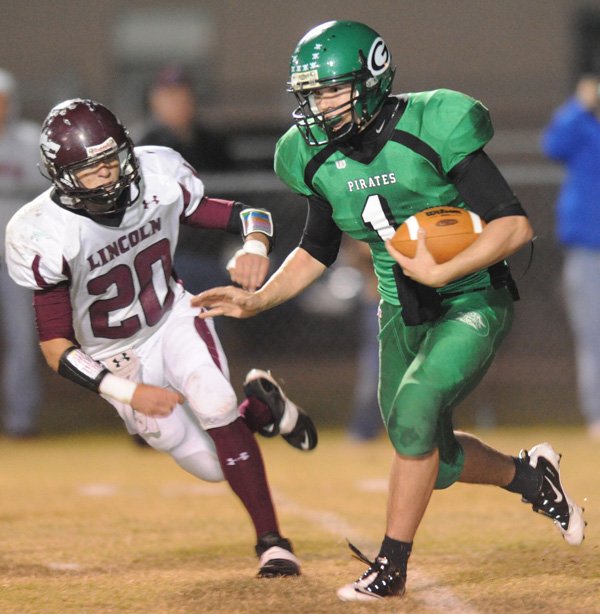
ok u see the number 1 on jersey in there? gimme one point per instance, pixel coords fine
(376, 214)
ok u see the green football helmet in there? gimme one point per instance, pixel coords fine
(333, 54)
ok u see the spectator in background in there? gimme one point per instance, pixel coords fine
(365, 420)
(174, 123)
(573, 139)
(20, 180)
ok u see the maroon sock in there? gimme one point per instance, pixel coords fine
(243, 467)
(256, 413)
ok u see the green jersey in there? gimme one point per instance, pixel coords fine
(372, 190)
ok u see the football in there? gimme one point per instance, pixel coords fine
(449, 231)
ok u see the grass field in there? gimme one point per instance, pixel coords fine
(94, 524)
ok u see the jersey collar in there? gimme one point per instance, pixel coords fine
(113, 220)
(365, 146)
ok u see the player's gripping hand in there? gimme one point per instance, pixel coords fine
(248, 270)
(227, 301)
(422, 268)
(155, 401)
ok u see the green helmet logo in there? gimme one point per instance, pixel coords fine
(339, 54)
(379, 58)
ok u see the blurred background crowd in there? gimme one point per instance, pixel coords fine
(208, 78)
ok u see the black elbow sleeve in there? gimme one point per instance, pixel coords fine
(325, 254)
(321, 237)
(484, 189)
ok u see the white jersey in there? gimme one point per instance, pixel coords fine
(120, 278)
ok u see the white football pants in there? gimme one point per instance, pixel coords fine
(186, 355)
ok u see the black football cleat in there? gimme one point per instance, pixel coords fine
(381, 580)
(276, 557)
(289, 420)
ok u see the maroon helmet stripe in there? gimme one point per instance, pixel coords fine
(206, 336)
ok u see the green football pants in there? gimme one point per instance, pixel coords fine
(426, 370)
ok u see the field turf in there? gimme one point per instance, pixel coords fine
(95, 524)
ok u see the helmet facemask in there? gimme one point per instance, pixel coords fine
(335, 54)
(81, 134)
(104, 199)
(308, 116)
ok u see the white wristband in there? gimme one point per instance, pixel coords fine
(254, 246)
(117, 388)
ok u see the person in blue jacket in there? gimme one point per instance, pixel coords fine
(573, 138)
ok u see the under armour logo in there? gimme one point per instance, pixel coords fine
(119, 360)
(244, 456)
(152, 201)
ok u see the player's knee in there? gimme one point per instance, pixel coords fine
(172, 432)
(411, 438)
(413, 421)
(450, 470)
(415, 449)
(212, 406)
(189, 446)
(203, 464)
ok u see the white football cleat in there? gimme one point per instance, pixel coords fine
(552, 500)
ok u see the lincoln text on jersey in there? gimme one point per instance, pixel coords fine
(123, 244)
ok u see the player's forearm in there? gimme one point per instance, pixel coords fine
(298, 271)
(74, 364)
(53, 349)
(500, 238)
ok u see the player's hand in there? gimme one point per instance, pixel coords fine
(155, 401)
(227, 301)
(248, 270)
(422, 268)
